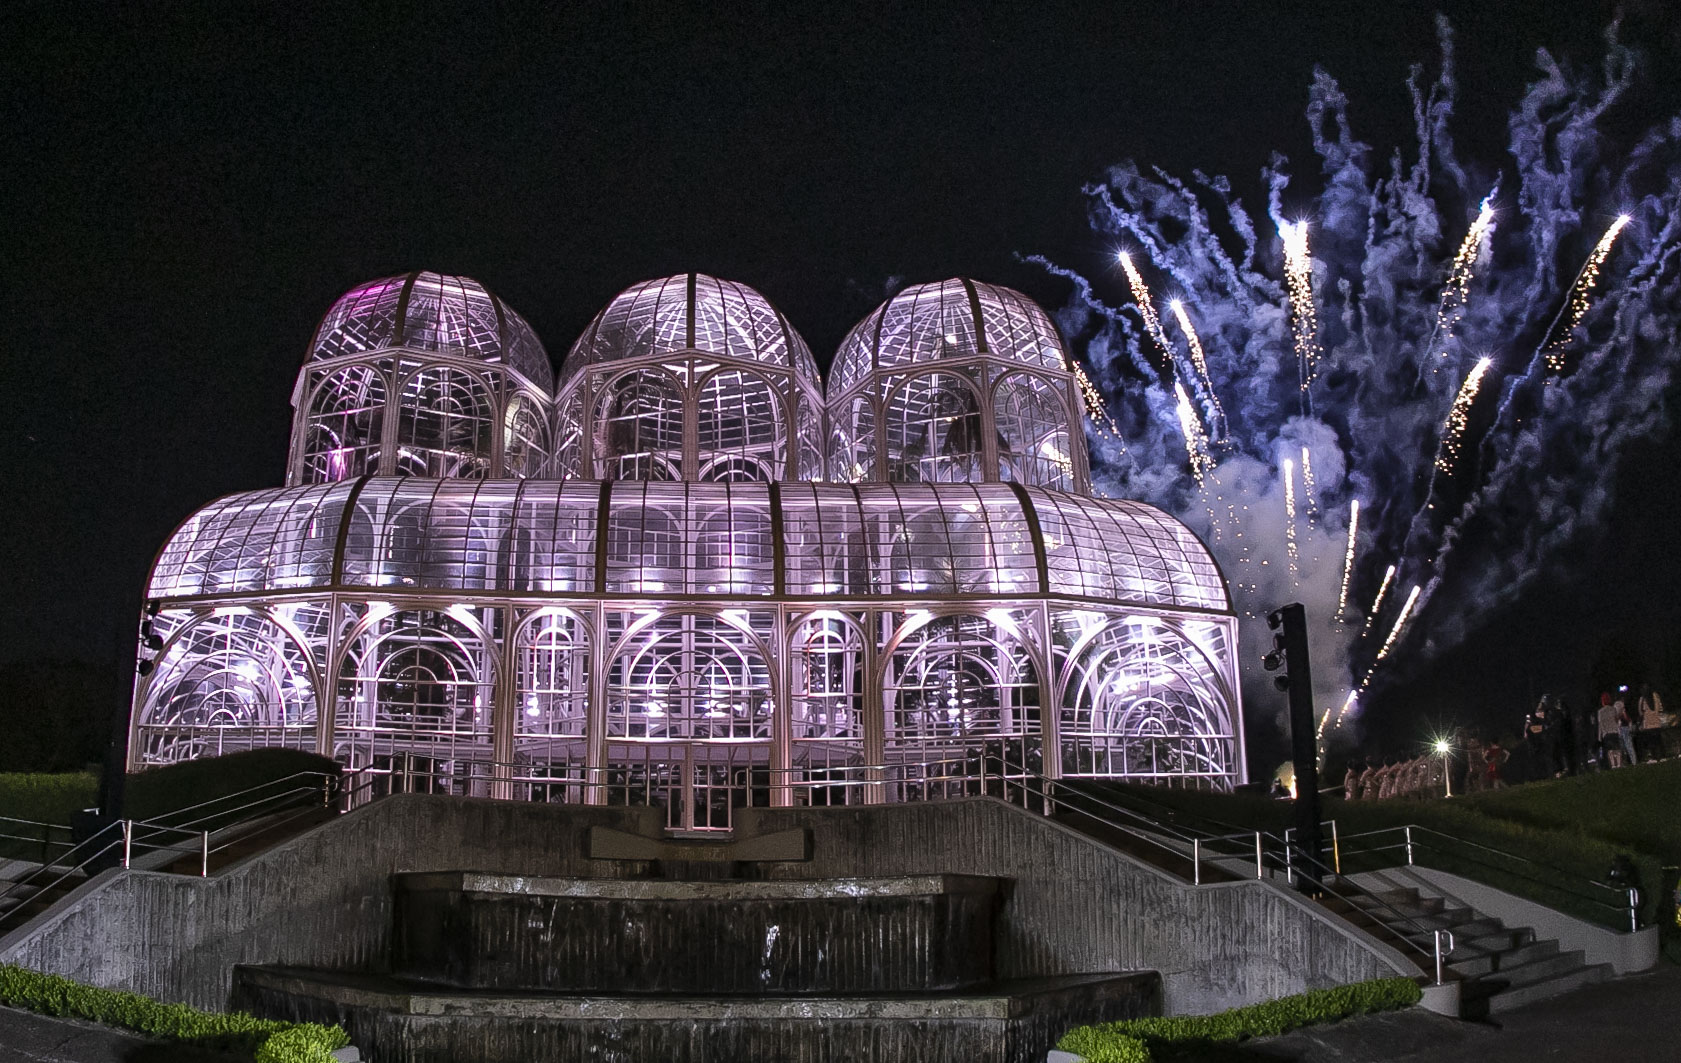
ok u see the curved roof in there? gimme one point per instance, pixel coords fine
(690, 311)
(543, 537)
(955, 318)
(432, 312)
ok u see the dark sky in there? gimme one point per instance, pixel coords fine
(186, 188)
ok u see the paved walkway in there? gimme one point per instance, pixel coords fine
(1631, 1020)
(27, 1038)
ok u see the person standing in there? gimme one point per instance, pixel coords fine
(1625, 727)
(1564, 742)
(1609, 755)
(1650, 711)
(1493, 758)
(1538, 737)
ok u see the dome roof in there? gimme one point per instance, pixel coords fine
(832, 541)
(956, 318)
(690, 311)
(432, 312)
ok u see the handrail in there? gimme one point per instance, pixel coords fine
(1629, 899)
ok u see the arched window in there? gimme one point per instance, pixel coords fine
(826, 706)
(525, 448)
(346, 419)
(416, 694)
(639, 428)
(962, 694)
(445, 422)
(741, 429)
(1032, 432)
(935, 430)
(1141, 701)
(231, 682)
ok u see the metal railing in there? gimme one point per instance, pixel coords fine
(203, 830)
(1408, 844)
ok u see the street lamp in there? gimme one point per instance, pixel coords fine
(1444, 747)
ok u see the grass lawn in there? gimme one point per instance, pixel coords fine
(1577, 826)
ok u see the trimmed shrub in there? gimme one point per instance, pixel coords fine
(266, 1040)
(1144, 1040)
(43, 798)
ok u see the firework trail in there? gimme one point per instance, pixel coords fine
(1406, 273)
(1196, 445)
(1348, 555)
(1146, 309)
(1304, 323)
(1453, 431)
(1377, 602)
(1290, 515)
(1394, 632)
(1353, 695)
(1581, 295)
(1216, 415)
(1457, 291)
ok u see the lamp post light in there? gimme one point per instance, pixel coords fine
(1445, 748)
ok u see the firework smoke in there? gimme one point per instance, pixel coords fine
(1361, 351)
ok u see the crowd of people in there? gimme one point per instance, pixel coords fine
(1620, 731)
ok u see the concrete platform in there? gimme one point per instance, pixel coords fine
(412, 1022)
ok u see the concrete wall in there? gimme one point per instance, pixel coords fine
(324, 899)
(1077, 906)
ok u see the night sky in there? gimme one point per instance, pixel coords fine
(186, 188)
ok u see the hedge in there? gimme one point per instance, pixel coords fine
(266, 1040)
(158, 793)
(1144, 1040)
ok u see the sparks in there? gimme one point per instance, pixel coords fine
(1093, 400)
(1353, 695)
(1217, 416)
(1581, 294)
(1141, 296)
(1304, 323)
(1196, 445)
(1453, 432)
(1348, 555)
(1309, 494)
(1290, 514)
(1377, 603)
(1400, 622)
(1457, 291)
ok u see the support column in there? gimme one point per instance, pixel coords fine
(595, 712)
(503, 707)
(875, 712)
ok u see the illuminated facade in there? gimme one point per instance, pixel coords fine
(685, 573)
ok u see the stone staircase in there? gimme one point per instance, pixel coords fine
(1499, 967)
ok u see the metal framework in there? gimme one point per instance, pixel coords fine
(671, 604)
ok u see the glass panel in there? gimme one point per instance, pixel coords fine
(346, 419)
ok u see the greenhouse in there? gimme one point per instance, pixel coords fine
(683, 573)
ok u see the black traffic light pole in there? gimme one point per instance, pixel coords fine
(1290, 650)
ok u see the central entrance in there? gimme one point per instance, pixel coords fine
(690, 718)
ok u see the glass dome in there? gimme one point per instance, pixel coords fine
(431, 312)
(691, 311)
(950, 319)
(955, 382)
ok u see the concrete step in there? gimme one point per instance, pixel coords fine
(1517, 995)
(1478, 962)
